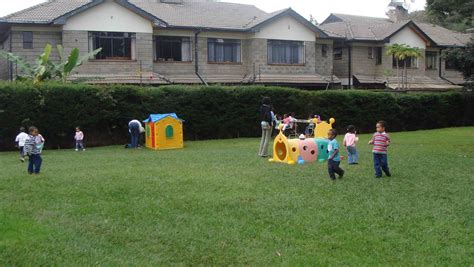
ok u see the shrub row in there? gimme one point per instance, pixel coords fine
(211, 112)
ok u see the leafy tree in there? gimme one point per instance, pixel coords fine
(401, 52)
(453, 14)
(462, 59)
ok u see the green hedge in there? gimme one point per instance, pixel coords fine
(211, 112)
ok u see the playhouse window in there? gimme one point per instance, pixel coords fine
(169, 132)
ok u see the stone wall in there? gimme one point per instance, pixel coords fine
(324, 65)
(40, 39)
(340, 66)
(313, 60)
(4, 64)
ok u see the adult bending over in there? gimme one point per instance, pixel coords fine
(266, 123)
(135, 128)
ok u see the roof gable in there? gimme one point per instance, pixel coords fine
(290, 12)
(158, 117)
(362, 28)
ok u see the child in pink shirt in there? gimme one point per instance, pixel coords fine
(79, 137)
(350, 141)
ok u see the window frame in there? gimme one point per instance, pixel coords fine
(410, 66)
(292, 45)
(324, 50)
(431, 54)
(177, 39)
(93, 35)
(226, 43)
(28, 44)
(378, 55)
(370, 52)
(336, 55)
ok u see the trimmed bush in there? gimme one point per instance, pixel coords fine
(210, 112)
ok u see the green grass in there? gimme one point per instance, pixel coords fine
(216, 203)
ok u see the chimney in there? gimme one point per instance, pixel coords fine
(397, 11)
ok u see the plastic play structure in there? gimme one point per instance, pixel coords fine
(303, 150)
(164, 131)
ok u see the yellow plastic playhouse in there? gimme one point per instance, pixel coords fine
(164, 131)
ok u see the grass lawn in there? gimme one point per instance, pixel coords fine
(216, 203)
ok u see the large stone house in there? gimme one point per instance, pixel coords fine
(360, 52)
(174, 41)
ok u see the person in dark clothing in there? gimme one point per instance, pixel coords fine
(266, 120)
(135, 129)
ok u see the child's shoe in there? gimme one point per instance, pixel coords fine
(77, 150)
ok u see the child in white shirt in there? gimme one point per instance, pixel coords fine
(20, 142)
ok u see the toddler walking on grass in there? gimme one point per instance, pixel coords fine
(380, 141)
(33, 148)
(334, 159)
(20, 142)
(350, 141)
(79, 137)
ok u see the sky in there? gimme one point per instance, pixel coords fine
(320, 9)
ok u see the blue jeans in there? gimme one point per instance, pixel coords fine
(80, 145)
(34, 164)
(381, 163)
(135, 134)
(352, 155)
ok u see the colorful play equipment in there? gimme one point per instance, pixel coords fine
(303, 150)
(164, 131)
(322, 128)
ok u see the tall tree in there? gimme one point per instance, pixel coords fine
(462, 59)
(453, 14)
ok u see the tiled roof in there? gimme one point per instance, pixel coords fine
(443, 36)
(205, 14)
(201, 14)
(45, 12)
(379, 29)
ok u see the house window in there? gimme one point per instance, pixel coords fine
(431, 59)
(285, 52)
(378, 55)
(173, 48)
(411, 62)
(224, 50)
(370, 52)
(27, 40)
(115, 45)
(449, 65)
(324, 50)
(337, 53)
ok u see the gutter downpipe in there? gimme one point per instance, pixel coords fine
(440, 72)
(196, 57)
(10, 64)
(349, 54)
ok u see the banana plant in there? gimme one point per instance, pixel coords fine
(45, 68)
(38, 73)
(64, 69)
